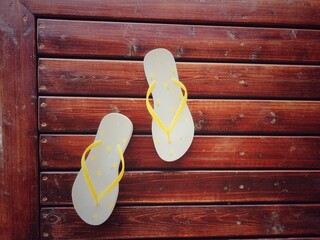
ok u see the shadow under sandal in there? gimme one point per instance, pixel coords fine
(96, 187)
(172, 124)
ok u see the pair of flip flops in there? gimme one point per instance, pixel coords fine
(96, 187)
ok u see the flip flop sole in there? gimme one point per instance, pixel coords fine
(103, 165)
(160, 66)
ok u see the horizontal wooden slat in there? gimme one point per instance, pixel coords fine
(60, 152)
(210, 116)
(186, 221)
(272, 12)
(123, 78)
(196, 187)
(134, 40)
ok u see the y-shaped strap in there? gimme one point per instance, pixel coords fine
(155, 116)
(97, 196)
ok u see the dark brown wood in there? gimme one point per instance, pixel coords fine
(186, 221)
(18, 135)
(66, 114)
(195, 31)
(214, 43)
(205, 80)
(61, 152)
(282, 238)
(274, 12)
(161, 187)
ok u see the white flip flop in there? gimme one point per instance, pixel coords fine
(95, 189)
(172, 125)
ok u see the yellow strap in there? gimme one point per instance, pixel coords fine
(87, 177)
(155, 116)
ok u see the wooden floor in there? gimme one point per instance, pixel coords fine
(253, 76)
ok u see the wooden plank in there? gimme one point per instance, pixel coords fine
(64, 114)
(211, 43)
(282, 238)
(272, 12)
(61, 152)
(186, 221)
(127, 78)
(19, 208)
(161, 187)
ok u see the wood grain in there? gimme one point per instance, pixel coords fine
(62, 152)
(162, 187)
(66, 114)
(241, 32)
(19, 208)
(272, 12)
(127, 78)
(210, 43)
(186, 221)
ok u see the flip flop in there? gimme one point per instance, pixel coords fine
(95, 189)
(172, 124)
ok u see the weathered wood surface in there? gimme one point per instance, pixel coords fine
(243, 12)
(65, 114)
(210, 43)
(274, 31)
(61, 152)
(118, 85)
(186, 221)
(163, 187)
(203, 80)
(19, 208)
